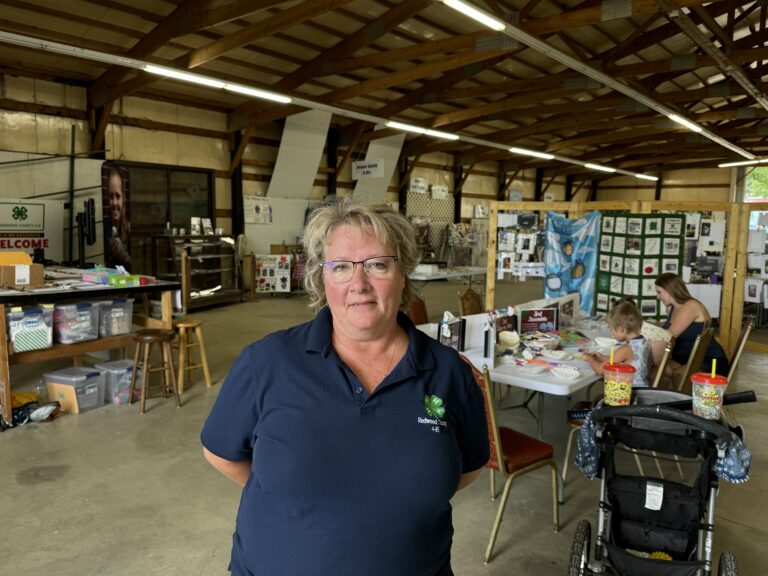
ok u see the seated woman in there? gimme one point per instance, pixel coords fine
(686, 319)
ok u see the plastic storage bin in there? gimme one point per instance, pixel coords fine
(77, 389)
(118, 380)
(115, 316)
(76, 322)
(30, 328)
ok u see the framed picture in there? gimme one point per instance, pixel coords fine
(635, 226)
(605, 263)
(671, 265)
(606, 243)
(608, 224)
(671, 246)
(631, 266)
(617, 264)
(692, 220)
(619, 245)
(648, 287)
(602, 302)
(651, 267)
(621, 225)
(617, 284)
(652, 246)
(673, 226)
(631, 287)
(634, 246)
(648, 307)
(653, 226)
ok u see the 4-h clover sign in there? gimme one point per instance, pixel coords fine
(433, 406)
(19, 213)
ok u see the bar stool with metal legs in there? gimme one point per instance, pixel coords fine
(144, 340)
(191, 336)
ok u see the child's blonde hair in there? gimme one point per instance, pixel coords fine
(625, 314)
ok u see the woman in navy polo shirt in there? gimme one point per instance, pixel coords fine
(351, 433)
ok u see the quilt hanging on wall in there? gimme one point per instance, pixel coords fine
(634, 250)
(570, 257)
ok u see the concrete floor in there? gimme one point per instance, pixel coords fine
(112, 492)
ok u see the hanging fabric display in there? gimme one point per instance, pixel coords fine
(570, 257)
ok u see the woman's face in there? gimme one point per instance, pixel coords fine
(116, 197)
(364, 307)
(664, 296)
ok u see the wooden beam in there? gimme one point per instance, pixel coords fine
(267, 27)
(238, 156)
(407, 176)
(351, 44)
(414, 73)
(97, 141)
(350, 149)
(442, 46)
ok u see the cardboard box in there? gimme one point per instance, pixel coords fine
(18, 271)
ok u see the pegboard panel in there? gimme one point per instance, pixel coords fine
(438, 212)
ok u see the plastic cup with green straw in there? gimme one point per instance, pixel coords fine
(714, 366)
(611, 361)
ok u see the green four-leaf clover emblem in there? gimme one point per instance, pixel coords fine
(433, 405)
(19, 213)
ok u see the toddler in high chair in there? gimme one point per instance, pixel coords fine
(625, 322)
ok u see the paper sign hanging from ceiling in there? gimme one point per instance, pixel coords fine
(257, 209)
(368, 169)
(419, 185)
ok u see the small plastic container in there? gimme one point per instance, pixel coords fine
(115, 316)
(618, 384)
(118, 380)
(76, 322)
(708, 392)
(30, 328)
(77, 389)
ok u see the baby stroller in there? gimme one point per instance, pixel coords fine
(659, 467)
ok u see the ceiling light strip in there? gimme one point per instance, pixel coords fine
(559, 56)
(200, 79)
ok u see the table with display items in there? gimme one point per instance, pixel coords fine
(448, 273)
(9, 358)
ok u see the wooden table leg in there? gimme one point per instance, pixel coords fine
(5, 373)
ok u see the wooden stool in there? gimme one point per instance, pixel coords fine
(191, 336)
(144, 339)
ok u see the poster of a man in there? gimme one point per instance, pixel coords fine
(117, 227)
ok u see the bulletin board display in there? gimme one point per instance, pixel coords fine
(633, 250)
(272, 272)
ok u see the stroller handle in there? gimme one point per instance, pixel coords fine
(659, 411)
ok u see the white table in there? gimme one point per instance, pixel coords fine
(543, 383)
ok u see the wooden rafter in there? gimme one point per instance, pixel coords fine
(267, 27)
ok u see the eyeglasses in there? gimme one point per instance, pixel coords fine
(379, 267)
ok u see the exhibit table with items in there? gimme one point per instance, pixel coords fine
(27, 317)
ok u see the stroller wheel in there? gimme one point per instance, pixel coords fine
(580, 549)
(727, 565)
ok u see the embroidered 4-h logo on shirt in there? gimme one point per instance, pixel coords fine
(433, 406)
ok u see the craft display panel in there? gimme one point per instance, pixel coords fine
(273, 273)
(634, 249)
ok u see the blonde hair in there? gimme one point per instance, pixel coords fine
(625, 314)
(390, 228)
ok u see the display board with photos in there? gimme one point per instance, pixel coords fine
(634, 249)
(272, 272)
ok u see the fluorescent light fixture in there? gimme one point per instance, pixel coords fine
(184, 76)
(685, 122)
(439, 134)
(419, 130)
(599, 167)
(476, 14)
(734, 164)
(646, 177)
(256, 93)
(526, 152)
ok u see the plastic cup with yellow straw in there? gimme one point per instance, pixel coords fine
(618, 382)
(708, 390)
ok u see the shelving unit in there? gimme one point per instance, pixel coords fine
(206, 266)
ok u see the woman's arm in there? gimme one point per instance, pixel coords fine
(236, 471)
(468, 478)
(683, 316)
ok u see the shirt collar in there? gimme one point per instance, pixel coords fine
(321, 328)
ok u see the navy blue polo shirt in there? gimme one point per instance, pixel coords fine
(343, 483)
